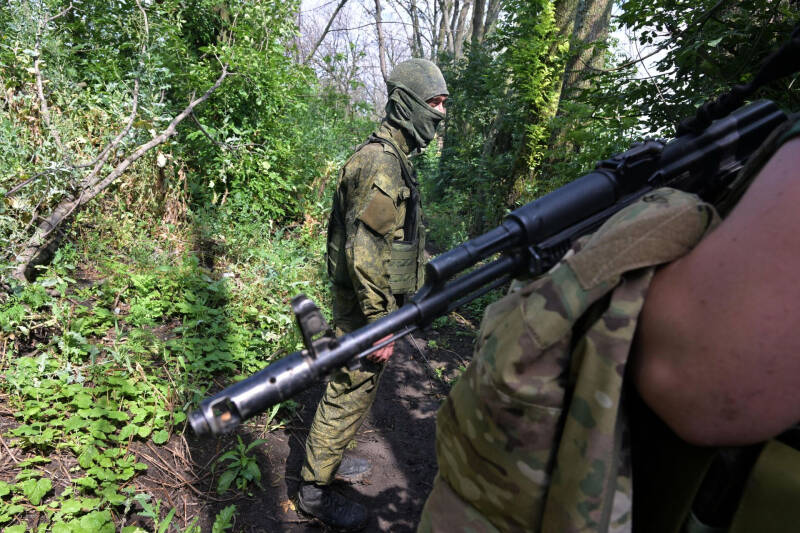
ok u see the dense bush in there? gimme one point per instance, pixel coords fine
(500, 92)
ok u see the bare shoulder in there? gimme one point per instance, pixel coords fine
(717, 354)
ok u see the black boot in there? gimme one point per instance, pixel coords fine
(353, 469)
(331, 507)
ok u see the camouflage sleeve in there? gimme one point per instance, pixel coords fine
(376, 221)
(368, 261)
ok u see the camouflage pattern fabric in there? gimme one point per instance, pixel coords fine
(376, 205)
(413, 115)
(419, 76)
(341, 411)
(411, 84)
(532, 437)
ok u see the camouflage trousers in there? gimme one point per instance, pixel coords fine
(344, 406)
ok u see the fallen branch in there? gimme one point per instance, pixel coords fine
(102, 157)
(42, 244)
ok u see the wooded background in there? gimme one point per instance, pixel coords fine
(166, 169)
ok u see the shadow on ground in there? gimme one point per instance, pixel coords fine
(397, 437)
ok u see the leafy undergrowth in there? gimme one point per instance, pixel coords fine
(121, 336)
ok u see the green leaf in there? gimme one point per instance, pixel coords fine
(255, 443)
(144, 431)
(103, 474)
(226, 479)
(5, 488)
(71, 506)
(88, 504)
(102, 426)
(61, 527)
(167, 521)
(127, 432)
(223, 520)
(8, 512)
(35, 489)
(86, 459)
(97, 521)
(160, 437)
(117, 415)
(231, 454)
(112, 496)
(87, 482)
(75, 422)
(14, 529)
(252, 472)
(32, 461)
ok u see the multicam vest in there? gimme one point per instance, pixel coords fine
(534, 436)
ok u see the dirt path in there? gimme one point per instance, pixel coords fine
(398, 438)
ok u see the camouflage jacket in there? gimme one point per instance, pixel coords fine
(368, 216)
(532, 437)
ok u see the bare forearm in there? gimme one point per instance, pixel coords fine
(718, 350)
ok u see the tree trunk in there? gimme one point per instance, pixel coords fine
(462, 29)
(591, 26)
(325, 31)
(582, 22)
(492, 12)
(478, 19)
(381, 46)
(416, 38)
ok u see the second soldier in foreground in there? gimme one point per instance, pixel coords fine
(375, 259)
(544, 433)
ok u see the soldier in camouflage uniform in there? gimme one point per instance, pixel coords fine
(536, 435)
(375, 258)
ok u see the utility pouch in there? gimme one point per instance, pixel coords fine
(403, 267)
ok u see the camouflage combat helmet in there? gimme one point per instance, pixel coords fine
(420, 76)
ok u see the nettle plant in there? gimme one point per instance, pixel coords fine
(91, 367)
(81, 394)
